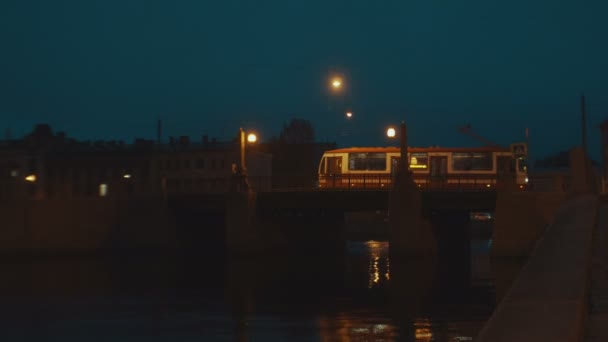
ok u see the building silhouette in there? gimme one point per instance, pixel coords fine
(48, 165)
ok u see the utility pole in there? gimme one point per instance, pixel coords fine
(583, 125)
(158, 132)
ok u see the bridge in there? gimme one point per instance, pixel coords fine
(562, 292)
(369, 200)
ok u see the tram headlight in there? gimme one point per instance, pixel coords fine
(526, 180)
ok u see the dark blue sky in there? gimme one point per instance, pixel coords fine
(108, 69)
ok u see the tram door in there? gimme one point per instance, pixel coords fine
(334, 171)
(438, 171)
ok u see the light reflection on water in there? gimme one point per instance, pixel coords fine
(378, 252)
(362, 296)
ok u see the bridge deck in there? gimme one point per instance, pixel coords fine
(349, 200)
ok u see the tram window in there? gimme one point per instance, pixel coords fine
(418, 160)
(367, 161)
(472, 161)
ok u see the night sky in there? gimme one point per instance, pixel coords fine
(109, 69)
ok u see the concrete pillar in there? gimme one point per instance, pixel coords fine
(581, 174)
(240, 214)
(409, 234)
(520, 219)
(411, 286)
(246, 233)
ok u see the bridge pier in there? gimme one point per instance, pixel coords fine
(583, 177)
(409, 233)
(246, 232)
(521, 217)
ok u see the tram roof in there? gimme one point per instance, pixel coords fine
(418, 149)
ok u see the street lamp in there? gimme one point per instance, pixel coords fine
(244, 138)
(349, 114)
(404, 163)
(336, 83)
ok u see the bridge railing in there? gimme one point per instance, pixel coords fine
(424, 182)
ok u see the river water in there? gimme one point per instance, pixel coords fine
(361, 295)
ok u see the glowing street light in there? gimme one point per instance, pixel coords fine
(349, 114)
(336, 83)
(30, 178)
(250, 138)
(244, 138)
(391, 132)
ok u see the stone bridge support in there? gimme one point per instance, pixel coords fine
(246, 232)
(409, 233)
(521, 217)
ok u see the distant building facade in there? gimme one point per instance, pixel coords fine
(47, 165)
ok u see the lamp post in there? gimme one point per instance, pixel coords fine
(242, 139)
(404, 162)
(245, 138)
(241, 172)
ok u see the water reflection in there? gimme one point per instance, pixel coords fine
(360, 296)
(379, 262)
(423, 330)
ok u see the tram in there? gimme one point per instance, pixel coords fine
(430, 167)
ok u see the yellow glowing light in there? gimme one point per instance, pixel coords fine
(349, 114)
(252, 138)
(488, 185)
(424, 334)
(336, 83)
(30, 178)
(103, 190)
(390, 132)
(126, 176)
